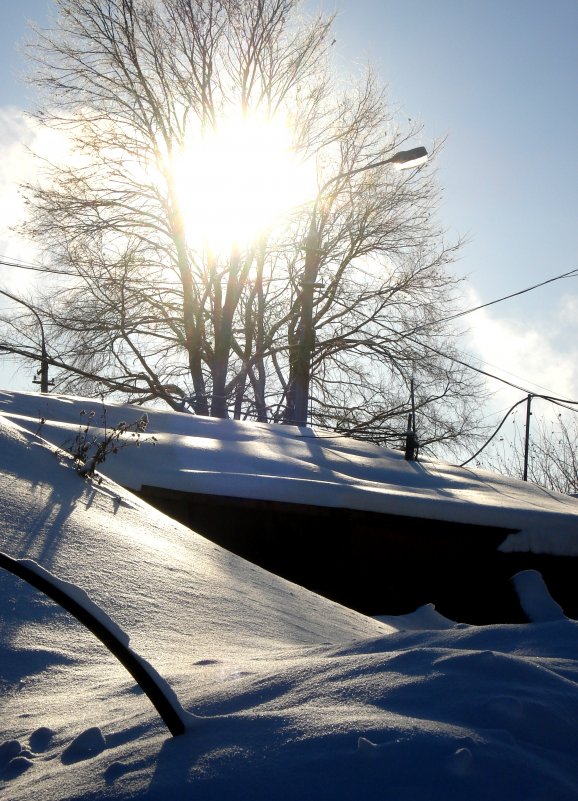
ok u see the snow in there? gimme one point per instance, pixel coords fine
(296, 697)
(300, 465)
(81, 598)
(78, 602)
(535, 599)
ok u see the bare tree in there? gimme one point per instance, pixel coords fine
(148, 309)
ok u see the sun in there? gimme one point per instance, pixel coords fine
(235, 182)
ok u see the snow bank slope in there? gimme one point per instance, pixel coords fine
(173, 580)
(300, 698)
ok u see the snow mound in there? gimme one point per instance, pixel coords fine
(299, 698)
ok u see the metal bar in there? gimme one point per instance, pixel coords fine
(123, 653)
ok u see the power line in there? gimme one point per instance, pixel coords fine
(559, 401)
(487, 442)
(515, 375)
(33, 267)
(570, 274)
(469, 366)
(555, 401)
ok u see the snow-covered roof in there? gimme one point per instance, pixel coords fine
(301, 465)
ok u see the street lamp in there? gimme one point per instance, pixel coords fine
(43, 369)
(298, 391)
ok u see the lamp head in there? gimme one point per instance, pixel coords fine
(409, 158)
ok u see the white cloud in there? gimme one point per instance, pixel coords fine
(22, 139)
(15, 164)
(569, 312)
(19, 135)
(536, 356)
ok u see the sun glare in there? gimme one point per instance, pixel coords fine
(236, 182)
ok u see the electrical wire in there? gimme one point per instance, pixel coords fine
(570, 274)
(4, 261)
(470, 366)
(555, 401)
(33, 267)
(487, 442)
(536, 386)
(558, 401)
(573, 272)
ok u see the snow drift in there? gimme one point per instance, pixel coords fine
(299, 697)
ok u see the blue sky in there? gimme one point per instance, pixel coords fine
(498, 78)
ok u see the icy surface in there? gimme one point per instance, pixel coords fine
(300, 699)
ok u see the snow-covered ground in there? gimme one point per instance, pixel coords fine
(294, 697)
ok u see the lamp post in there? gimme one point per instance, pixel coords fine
(298, 391)
(43, 370)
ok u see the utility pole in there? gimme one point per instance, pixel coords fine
(42, 372)
(527, 438)
(411, 440)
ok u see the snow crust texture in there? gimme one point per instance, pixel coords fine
(295, 696)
